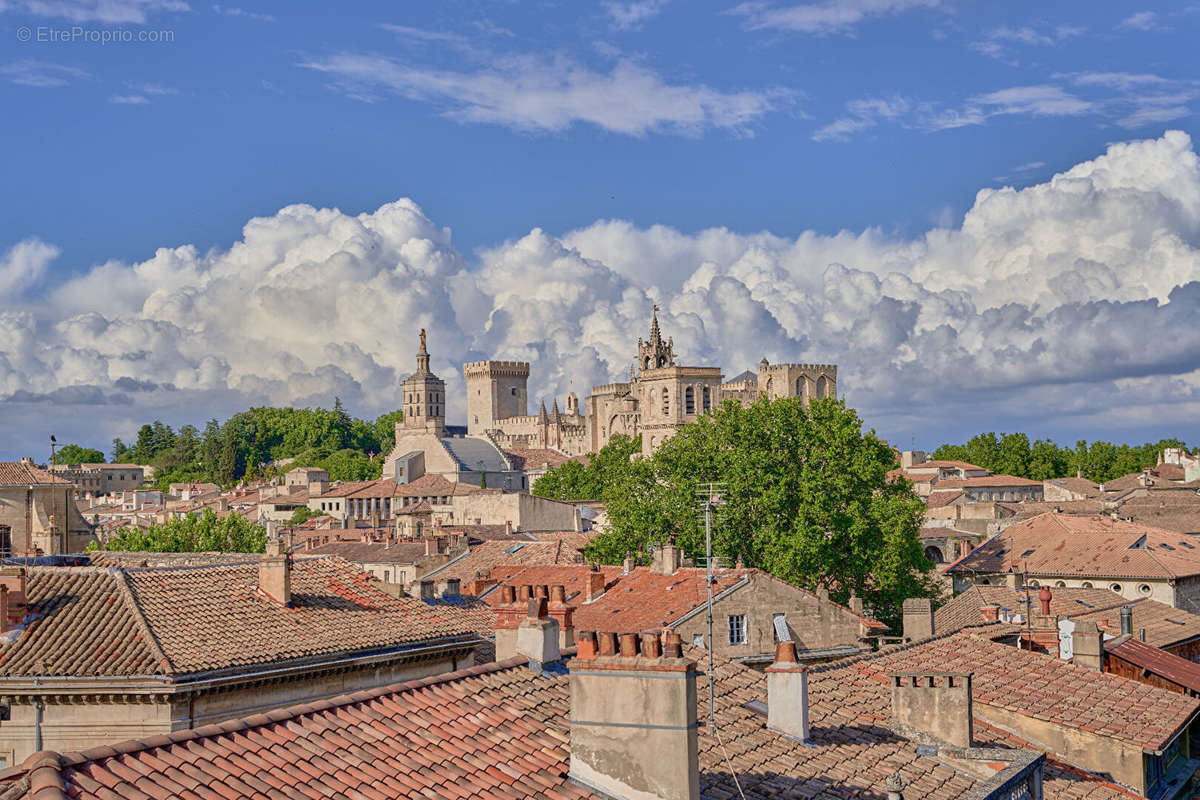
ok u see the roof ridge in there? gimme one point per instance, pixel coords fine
(130, 599)
(72, 758)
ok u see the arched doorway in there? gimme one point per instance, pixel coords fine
(934, 554)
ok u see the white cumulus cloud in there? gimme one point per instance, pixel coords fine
(1067, 304)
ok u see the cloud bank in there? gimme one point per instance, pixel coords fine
(1072, 304)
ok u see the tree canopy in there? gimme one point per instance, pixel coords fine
(805, 497)
(193, 534)
(74, 454)
(574, 481)
(1013, 454)
(251, 442)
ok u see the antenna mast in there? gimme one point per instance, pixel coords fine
(710, 494)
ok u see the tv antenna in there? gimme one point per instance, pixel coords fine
(710, 496)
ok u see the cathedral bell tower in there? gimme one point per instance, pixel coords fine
(654, 353)
(424, 397)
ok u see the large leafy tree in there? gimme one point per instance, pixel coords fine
(74, 454)
(193, 534)
(805, 497)
(575, 481)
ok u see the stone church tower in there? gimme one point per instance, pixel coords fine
(653, 353)
(424, 397)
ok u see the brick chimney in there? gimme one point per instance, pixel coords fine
(595, 583)
(537, 635)
(562, 613)
(509, 613)
(14, 579)
(633, 718)
(1087, 645)
(990, 612)
(275, 572)
(5, 625)
(787, 694)
(933, 707)
(918, 619)
(667, 559)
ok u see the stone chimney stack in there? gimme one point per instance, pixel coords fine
(595, 583)
(1087, 645)
(633, 717)
(275, 572)
(918, 619)
(787, 694)
(667, 559)
(933, 707)
(14, 579)
(856, 604)
(509, 613)
(563, 614)
(628, 564)
(537, 635)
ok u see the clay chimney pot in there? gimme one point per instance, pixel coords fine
(607, 644)
(629, 645)
(785, 653)
(1044, 597)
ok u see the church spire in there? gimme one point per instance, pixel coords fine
(655, 353)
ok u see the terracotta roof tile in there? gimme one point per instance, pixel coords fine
(420, 740)
(1062, 544)
(17, 473)
(175, 621)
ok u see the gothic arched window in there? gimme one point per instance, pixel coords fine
(689, 401)
(706, 400)
(822, 386)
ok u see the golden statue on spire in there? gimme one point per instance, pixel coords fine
(422, 340)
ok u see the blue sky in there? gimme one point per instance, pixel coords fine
(883, 118)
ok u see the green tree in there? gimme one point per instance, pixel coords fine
(193, 534)
(1012, 455)
(74, 454)
(572, 480)
(805, 498)
(1047, 460)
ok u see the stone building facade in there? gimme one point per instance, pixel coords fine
(659, 397)
(38, 514)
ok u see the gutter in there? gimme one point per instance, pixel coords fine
(201, 680)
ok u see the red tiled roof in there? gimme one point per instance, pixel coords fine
(1044, 687)
(1159, 662)
(1061, 544)
(177, 621)
(534, 458)
(638, 601)
(495, 731)
(373, 552)
(500, 552)
(1165, 626)
(942, 499)
(16, 473)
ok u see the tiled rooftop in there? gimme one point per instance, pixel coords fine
(16, 473)
(505, 552)
(1165, 626)
(638, 601)
(1061, 544)
(1042, 687)
(373, 552)
(1159, 662)
(178, 621)
(501, 731)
